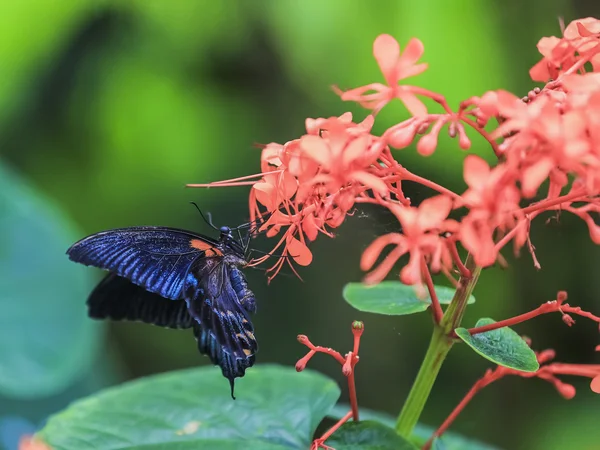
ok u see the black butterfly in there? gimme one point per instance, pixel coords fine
(176, 279)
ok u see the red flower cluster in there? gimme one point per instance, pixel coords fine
(307, 186)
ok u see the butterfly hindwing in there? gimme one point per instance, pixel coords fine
(155, 258)
(117, 298)
(219, 301)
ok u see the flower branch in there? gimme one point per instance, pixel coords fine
(348, 364)
(557, 305)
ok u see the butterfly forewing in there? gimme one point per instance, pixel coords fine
(155, 258)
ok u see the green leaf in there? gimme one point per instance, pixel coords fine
(393, 298)
(276, 408)
(421, 433)
(502, 346)
(46, 338)
(368, 435)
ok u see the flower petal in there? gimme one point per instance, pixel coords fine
(370, 181)
(411, 273)
(299, 251)
(433, 211)
(387, 51)
(476, 172)
(379, 273)
(372, 252)
(533, 176)
(355, 149)
(415, 106)
(411, 54)
(316, 148)
(265, 194)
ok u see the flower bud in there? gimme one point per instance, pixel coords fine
(427, 144)
(568, 320)
(566, 390)
(596, 385)
(401, 137)
(357, 325)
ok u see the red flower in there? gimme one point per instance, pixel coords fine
(308, 185)
(493, 202)
(311, 183)
(421, 228)
(395, 66)
(579, 44)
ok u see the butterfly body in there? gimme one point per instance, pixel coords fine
(176, 279)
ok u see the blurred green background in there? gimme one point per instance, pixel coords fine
(108, 108)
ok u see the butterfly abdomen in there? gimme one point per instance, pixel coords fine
(245, 295)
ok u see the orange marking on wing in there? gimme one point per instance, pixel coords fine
(247, 352)
(206, 247)
(250, 335)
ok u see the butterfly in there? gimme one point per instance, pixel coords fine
(177, 279)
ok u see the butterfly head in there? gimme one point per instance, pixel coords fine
(226, 233)
(238, 247)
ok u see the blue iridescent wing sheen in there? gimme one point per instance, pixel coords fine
(117, 298)
(220, 302)
(155, 258)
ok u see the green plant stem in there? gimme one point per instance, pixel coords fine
(440, 345)
(411, 411)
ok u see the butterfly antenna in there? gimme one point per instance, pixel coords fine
(209, 220)
(252, 225)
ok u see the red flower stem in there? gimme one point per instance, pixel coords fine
(508, 236)
(512, 321)
(220, 184)
(548, 203)
(479, 385)
(449, 276)
(233, 180)
(464, 272)
(339, 358)
(441, 100)
(532, 211)
(317, 348)
(546, 308)
(334, 428)
(484, 134)
(356, 346)
(436, 309)
(582, 370)
(352, 395)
